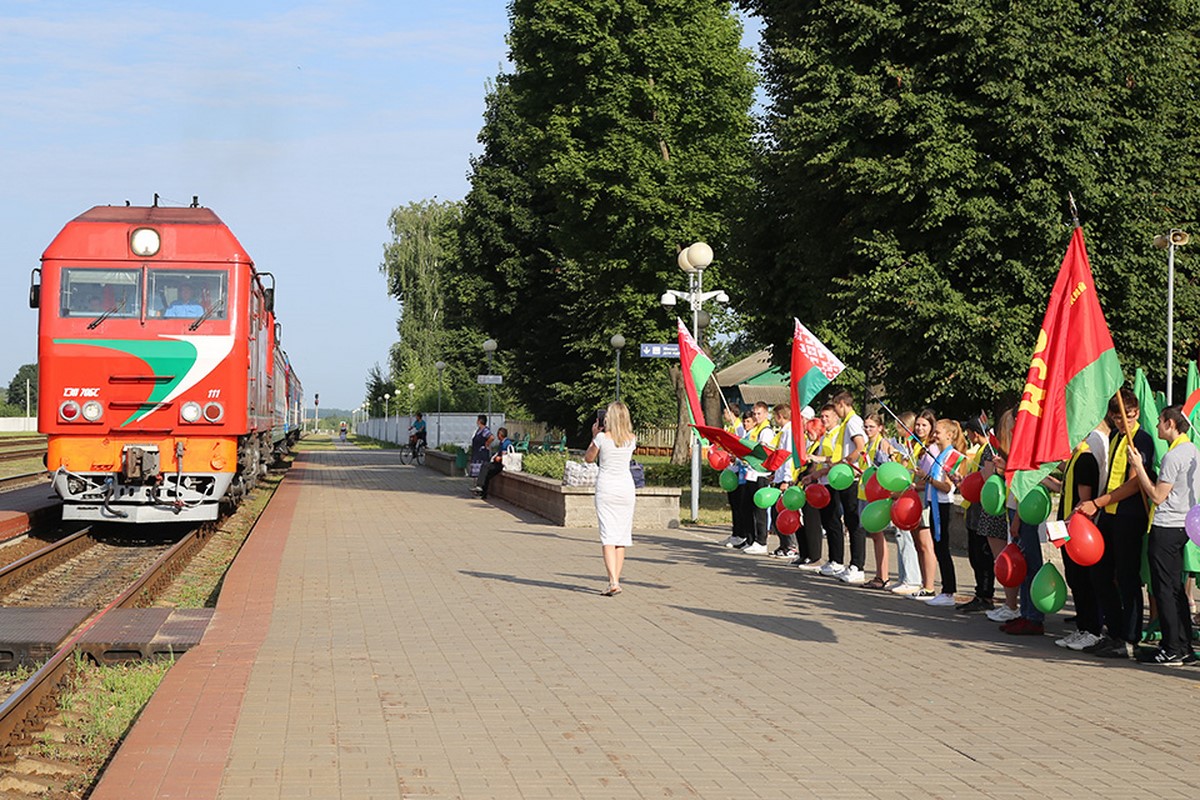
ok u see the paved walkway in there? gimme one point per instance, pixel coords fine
(386, 635)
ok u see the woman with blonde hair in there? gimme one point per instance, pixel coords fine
(613, 443)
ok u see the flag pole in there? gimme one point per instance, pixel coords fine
(912, 456)
(1074, 210)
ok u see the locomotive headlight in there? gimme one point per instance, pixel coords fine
(144, 242)
(190, 412)
(214, 412)
(69, 410)
(92, 411)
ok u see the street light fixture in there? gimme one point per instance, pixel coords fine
(618, 341)
(386, 411)
(489, 347)
(440, 367)
(1169, 241)
(411, 386)
(693, 261)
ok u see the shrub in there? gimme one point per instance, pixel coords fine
(678, 475)
(451, 448)
(548, 465)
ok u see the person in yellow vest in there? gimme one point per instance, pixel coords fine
(874, 454)
(761, 433)
(1081, 481)
(979, 553)
(1174, 494)
(738, 534)
(1123, 518)
(784, 476)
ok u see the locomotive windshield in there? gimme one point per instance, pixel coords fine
(188, 294)
(95, 292)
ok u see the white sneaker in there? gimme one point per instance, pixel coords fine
(1003, 613)
(755, 549)
(809, 566)
(852, 574)
(734, 541)
(904, 588)
(942, 599)
(728, 541)
(831, 569)
(1069, 639)
(1086, 639)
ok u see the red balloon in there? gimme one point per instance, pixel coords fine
(1086, 545)
(1010, 566)
(971, 487)
(788, 522)
(817, 495)
(718, 459)
(779, 506)
(906, 511)
(876, 492)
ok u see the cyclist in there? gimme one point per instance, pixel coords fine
(416, 432)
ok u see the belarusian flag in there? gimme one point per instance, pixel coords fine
(813, 368)
(697, 368)
(1073, 375)
(1191, 404)
(1149, 407)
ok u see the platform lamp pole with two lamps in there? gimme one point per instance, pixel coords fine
(693, 261)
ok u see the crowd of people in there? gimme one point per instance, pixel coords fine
(1139, 508)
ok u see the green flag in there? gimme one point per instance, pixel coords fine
(1149, 411)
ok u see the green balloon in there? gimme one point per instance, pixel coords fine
(1048, 590)
(766, 496)
(729, 480)
(1035, 507)
(877, 515)
(893, 477)
(865, 478)
(993, 495)
(841, 477)
(794, 498)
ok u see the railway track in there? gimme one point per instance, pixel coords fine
(8, 482)
(21, 453)
(24, 712)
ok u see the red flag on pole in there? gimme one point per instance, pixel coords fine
(1073, 375)
(697, 368)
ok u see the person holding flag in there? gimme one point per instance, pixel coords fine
(1175, 492)
(1122, 517)
(938, 473)
(757, 478)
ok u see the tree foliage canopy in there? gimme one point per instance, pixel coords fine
(912, 190)
(621, 134)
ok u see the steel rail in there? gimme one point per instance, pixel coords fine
(23, 713)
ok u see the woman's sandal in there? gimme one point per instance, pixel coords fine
(875, 583)
(611, 591)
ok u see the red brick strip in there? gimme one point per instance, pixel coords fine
(180, 743)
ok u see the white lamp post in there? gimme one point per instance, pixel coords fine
(489, 347)
(1173, 238)
(440, 367)
(693, 261)
(386, 412)
(618, 341)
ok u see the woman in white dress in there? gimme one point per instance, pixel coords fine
(613, 443)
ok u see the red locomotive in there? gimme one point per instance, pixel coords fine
(162, 387)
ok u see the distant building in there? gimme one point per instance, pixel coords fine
(753, 379)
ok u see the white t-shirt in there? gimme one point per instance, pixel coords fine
(854, 427)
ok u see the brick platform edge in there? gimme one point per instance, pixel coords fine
(202, 694)
(575, 506)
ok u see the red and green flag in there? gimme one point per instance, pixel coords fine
(697, 369)
(814, 367)
(1073, 374)
(1191, 403)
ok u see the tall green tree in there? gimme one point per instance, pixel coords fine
(16, 388)
(621, 134)
(912, 204)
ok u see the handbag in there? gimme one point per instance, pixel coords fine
(639, 474)
(473, 468)
(512, 461)
(577, 473)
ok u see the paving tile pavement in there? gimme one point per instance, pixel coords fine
(425, 643)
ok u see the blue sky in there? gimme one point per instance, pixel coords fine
(300, 125)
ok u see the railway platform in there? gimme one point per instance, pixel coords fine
(22, 510)
(384, 634)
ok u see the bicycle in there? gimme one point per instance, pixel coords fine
(415, 451)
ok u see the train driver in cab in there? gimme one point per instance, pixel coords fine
(185, 303)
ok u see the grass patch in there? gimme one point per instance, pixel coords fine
(99, 705)
(22, 466)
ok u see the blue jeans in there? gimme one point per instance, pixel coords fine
(1031, 548)
(909, 568)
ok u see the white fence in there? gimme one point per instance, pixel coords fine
(18, 424)
(454, 428)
